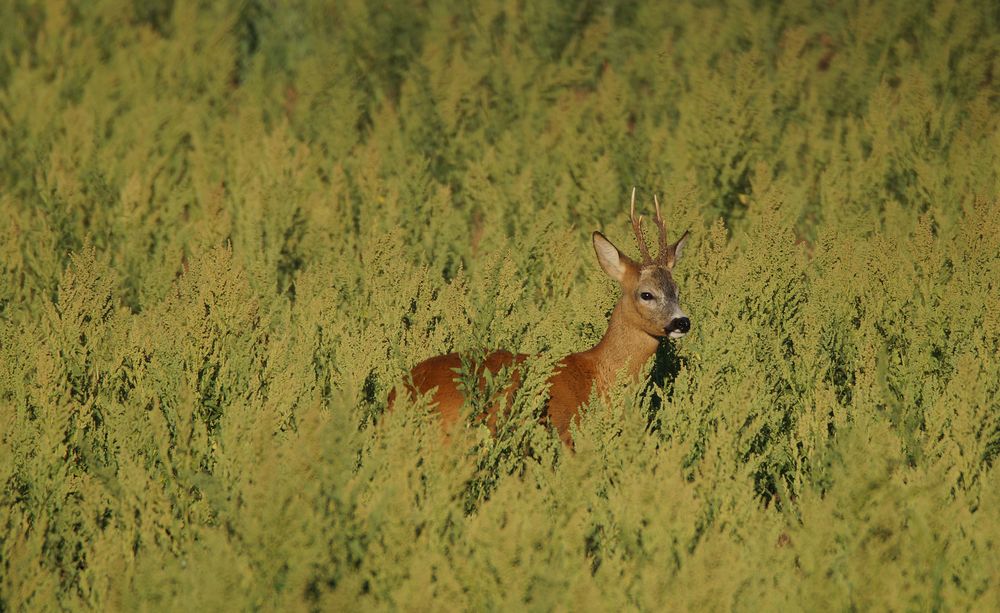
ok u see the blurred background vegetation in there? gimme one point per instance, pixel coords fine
(227, 229)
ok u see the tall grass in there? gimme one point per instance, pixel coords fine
(230, 228)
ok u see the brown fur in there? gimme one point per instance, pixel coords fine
(634, 332)
(570, 386)
(439, 374)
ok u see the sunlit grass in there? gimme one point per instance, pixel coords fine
(229, 231)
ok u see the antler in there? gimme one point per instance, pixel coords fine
(666, 251)
(664, 255)
(637, 228)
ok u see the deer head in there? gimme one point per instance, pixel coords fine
(649, 299)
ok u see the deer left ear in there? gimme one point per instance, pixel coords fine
(676, 248)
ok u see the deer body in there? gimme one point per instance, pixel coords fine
(647, 312)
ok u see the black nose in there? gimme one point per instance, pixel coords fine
(680, 324)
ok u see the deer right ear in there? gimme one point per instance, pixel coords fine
(611, 260)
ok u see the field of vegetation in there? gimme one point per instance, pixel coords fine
(228, 229)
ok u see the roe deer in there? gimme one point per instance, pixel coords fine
(647, 312)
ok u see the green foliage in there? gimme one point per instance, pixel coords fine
(231, 227)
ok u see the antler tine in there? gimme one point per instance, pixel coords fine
(637, 228)
(664, 248)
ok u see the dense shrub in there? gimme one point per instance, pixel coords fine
(230, 227)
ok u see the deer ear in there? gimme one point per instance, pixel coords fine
(676, 248)
(611, 260)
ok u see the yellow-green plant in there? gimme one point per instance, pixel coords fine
(228, 230)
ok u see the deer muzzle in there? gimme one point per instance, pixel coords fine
(678, 326)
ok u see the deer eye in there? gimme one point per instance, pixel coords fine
(646, 296)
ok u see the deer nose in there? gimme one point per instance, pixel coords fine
(679, 324)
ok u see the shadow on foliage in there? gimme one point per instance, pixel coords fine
(666, 365)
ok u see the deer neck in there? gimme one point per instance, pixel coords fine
(623, 346)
